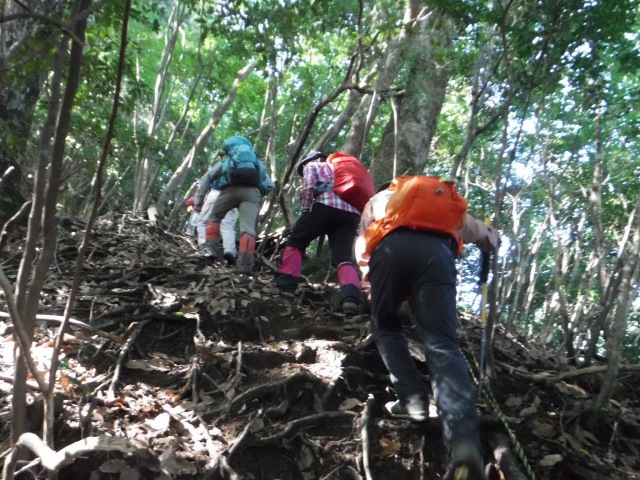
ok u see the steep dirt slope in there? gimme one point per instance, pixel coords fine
(210, 375)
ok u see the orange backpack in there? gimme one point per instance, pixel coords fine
(351, 180)
(420, 203)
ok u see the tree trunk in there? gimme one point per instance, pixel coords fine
(19, 92)
(388, 67)
(619, 325)
(28, 300)
(405, 145)
(146, 170)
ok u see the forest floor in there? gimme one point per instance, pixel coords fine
(210, 374)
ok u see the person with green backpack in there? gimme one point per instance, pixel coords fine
(242, 180)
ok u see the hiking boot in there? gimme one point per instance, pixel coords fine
(286, 283)
(349, 306)
(411, 407)
(211, 249)
(208, 251)
(466, 464)
(230, 258)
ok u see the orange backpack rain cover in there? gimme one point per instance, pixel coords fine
(420, 203)
(351, 180)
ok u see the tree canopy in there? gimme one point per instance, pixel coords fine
(110, 106)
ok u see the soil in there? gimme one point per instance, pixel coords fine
(211, 374)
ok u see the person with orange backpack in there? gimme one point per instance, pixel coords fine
(410, 236)
(326, 181)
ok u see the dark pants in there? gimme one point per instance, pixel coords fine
(422, 265)
(339, 225)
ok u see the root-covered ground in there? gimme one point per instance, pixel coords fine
(209, 374)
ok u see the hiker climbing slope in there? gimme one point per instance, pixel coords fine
(242, 179)
(325, 211)
(203, 215)
(410, 235)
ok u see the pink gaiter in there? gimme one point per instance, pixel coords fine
(347, 274)
(291, 262)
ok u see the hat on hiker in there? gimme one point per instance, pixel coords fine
(315, 155)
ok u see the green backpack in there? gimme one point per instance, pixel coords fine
(240, 166)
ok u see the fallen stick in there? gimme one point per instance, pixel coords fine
(53, 461)
(364, 436)
(111, 393)
(295, 425)
(259, 391)
(74, 322)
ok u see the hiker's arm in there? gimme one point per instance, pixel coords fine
(475, 231)
(359, 245)
(309, 178)
(205, 184)
(374, 210)
(266, 182)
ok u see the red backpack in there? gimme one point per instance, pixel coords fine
(351, 180)
(420, 203)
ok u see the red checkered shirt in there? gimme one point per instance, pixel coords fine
(314, 174)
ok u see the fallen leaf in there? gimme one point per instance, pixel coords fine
(389, 447)
(551, 460)
(513, 402)
(159, 423)
(350, 403)
(542, 429)
(138, 365)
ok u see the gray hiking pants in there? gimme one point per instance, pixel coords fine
(246, 199)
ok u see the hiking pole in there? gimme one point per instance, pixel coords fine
(484, 277)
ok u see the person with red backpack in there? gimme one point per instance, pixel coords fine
(325, 212)
(410, 236)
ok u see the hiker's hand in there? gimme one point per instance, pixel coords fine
(365, 286)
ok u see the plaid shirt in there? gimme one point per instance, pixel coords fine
(314, 174)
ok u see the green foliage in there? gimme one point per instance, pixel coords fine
(564, 66)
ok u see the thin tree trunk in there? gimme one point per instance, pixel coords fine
(49, 419)
(631, 253)
(146, 171)
(187, 163)
(483, 74)
(28, 301)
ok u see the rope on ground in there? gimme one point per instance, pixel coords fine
(495, 407)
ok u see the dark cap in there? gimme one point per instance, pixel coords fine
(315, 155)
